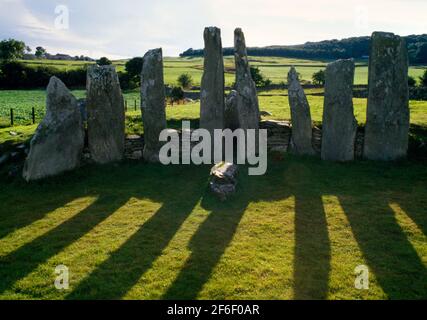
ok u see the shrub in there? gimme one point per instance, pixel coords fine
(133, 68)
(319, 78)
(104, 61)
(176, 94)
(185, 81)
(423, 79)
(411, 81)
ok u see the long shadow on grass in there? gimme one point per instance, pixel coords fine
(21, 262)
(389, 254)
(119, 273)
(207, 246)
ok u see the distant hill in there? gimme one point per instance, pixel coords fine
(357, 47)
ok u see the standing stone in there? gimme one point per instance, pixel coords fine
(339, 123)
(300, 115)
(212, 86)
(59, 139)
(153, 103)
(247, 99)
(106, 115)
(231, 115)
(387, 121)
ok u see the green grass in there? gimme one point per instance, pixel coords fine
(274, 68)
(139, 231)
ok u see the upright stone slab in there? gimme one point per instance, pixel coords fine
(152, 103)
(247, 99)
(301, 118)
(212, 86)
(106, 115)
(339, 124)
(59, 139)
(231, 117)
(387, 121)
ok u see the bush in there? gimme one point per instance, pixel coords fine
(16, 75)
(133, 68)
(319, 78)
(258, 77)
(423, 79)
(411, 81)
(185, 81)
(176, 94)
(104, 61)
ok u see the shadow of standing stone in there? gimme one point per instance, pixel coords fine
(153, 103)
(106, 115)
(387, 118)
(59, 139)
(339, 124)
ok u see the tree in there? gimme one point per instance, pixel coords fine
(12, 49)
(104, 61)
(185, 81)
(258, 77)
(176, 94)
(40, 52)
(134, 67)
(411, 81)
(319, 78)
(423, 79)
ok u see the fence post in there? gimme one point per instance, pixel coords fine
(135, 105)
(33, 114)
(11, 117)
(126, 105)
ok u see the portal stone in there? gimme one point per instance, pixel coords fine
(301, 118)
(106, 115)
(59, 139)
(387, 118)
(212, 86)
(339, 124)
(153, 103)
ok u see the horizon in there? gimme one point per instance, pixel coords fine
(129, 29)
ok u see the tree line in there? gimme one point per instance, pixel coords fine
(356, 47)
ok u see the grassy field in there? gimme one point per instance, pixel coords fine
(141, 231)
(274, 68)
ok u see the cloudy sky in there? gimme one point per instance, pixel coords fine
(127, 28)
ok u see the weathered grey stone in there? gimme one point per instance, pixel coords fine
(247, 99)
(339, 124)
(387, 118)
(212, 86)
(59, 139)
(231, 114)
(106, 114)
(301, 118)
(153, 103)
(223, 180)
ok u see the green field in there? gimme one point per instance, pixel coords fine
(274, 68)
(141, 231)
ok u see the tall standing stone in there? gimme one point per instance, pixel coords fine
(106, 114)
(59, 139)
(212, 86)
(247, 99)
(300, 115)
(339, 124)
(153, 103)
(387, 121)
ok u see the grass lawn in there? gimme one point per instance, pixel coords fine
(139, 231)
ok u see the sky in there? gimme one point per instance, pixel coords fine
(128, 28)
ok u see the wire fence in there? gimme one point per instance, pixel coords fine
(33, 115)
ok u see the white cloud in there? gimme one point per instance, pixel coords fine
(131, 27)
